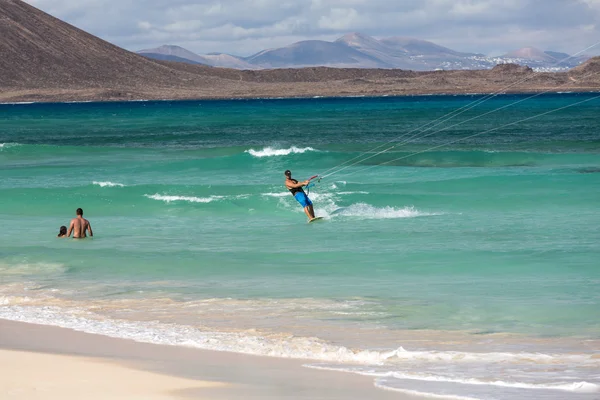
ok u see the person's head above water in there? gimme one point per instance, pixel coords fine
(288, 173)
(62, 231)
(79, 212)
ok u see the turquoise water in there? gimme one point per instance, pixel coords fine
(471, 270)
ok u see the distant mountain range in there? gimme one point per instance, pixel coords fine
(356, 50)
(46, 59)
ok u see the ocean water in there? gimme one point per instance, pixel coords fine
(471, 270)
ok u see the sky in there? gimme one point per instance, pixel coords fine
(244, 27)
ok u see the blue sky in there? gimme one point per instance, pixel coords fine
(244, 27)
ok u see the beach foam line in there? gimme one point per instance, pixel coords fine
(189, 199)
(108, 184)
(468, 357)
(574, 387)
(392, 380)
(288, 346)
(281, 346)
(469, 388)
(272, 152)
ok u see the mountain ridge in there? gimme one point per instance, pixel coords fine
(357, 50)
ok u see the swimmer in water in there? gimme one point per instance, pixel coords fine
(62, 232)
(79, 226)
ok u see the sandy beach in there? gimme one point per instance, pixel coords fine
(43, 362)
(29, 375)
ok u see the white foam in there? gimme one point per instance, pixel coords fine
(108, 184)
(326, 206)
(190, 199)
(282, 194)
(367, 211)
(271, 152)
(8, 145)
(469, 357)
(445, 390)
(282, 346)
(574, 387)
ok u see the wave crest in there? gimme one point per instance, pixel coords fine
(272, 152)
(8, 145)
(189, 199)
(108, 184)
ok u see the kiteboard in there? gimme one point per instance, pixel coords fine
(315, 219)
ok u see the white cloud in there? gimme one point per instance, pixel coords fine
(247, 26)
(339, 19)
(144, 25)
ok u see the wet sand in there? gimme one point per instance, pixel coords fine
(43, 362)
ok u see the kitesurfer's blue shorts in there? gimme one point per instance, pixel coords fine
(303, 199)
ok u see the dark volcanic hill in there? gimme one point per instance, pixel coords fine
(38, 49)
(45, 59)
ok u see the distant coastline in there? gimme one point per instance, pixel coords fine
(47, 97)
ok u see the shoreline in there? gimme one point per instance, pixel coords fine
(576, 91)
(82, 360)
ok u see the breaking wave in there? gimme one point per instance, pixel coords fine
(271, 152)
(108, 184)
(189, 199)
(8, 145)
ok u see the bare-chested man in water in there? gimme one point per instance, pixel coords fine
(79, 225)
